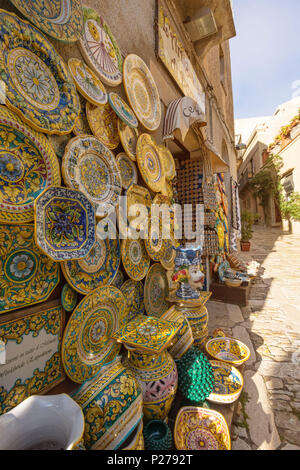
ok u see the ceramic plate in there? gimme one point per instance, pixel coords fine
(156, 290)
(127, 169)
(38, 85)
(228, 383)
(129, 137)
(81, 123)
(134, 294)
(201, 429)
(104, 124)
(142, 92)
(122, 110)
(87, 343)
(27, 276)
(58, 143)
(167, 161)
(149, 163)
(136, 194)
(60, 19)
(228, 350)
(118, 280)
(64, 224)
(135, 258)
(155, 244)
(168, 260)
(100, 49)
(97, 269)
(87, 83)
(28, 165)
(68, 298)
(92, 168)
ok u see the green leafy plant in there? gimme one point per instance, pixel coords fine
(290, 207)
(248, 219)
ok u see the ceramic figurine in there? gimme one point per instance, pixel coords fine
(188, 272)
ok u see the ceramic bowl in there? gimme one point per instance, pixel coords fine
(201, 429)
(233, 282)
(228, 350)
(228, 383)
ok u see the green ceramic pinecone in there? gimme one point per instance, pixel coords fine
(157, 435)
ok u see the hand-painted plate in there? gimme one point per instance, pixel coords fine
(138, 195)
(127, 169)
(68, 298)
(118, 280)
(104, 124)
(156, 245)
(135, 258)
(129, 137)
(122, 110)
(168, 260)
(156, 290)
(97, 269)
(64, 224)
(87, 83)
(167, 161)
(28, 165)
(27, 276)
(58, 143)
(228, 383)
(142, 92)
(81, 123)
(38, 85)
(134, 294)
(92, 168)
(149, 163)
(60, 19)
(87, 343)
(100, 49)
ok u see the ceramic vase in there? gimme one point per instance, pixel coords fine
(184, 338)
(137, 439)
(48, 422)
(198, 321)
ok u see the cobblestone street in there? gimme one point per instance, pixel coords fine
(268, 414)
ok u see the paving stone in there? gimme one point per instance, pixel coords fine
(291, 436)
(274, 384)
(241, 432)
(290, 447)
(280, 405)
(239, 332)
(235, 313)
(287, 420)
(240, 444)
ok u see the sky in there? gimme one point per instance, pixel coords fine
(265, 55)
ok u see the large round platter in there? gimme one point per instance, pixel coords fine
(228, 350)
(228, 383)
(38, 85)
(135, 258)
(118, 280)
(129, 137)
(103, 122)
(60, 19)
(100, 48)
(92, 168)
(156, 290)
(28, 165)
(155, 244)
(127, 169)
(97, 269)
(64, 224)
(149, 163)
(142, 92)
(167, 161)
(201, 429)
(27, 276)
(122, 110)
(134, 294)
(87, 83)
(86, 344)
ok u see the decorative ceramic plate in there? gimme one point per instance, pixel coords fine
(100, 49)
(228, 350)
(135, 258)
(27, 276)
(87, 83)
(156, 290)
(228, 383)
(58, 143)
(150, 166)
(118, 280)
(142, 92)
(60, 19)
(134, 294)
(168, 260)
(64, 224)
(201, 429)
(129, 137)
(28, 165)
(97, 269)
(92, 168)
(104, 124)
(87, 343)
(38, 85)
(168, 162)
(200, 302)
(68, 298)
(81, 123)
(136, 194)
(155, 244)
(127, 169)
(122, 110)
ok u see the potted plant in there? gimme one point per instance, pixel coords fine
(248, 219)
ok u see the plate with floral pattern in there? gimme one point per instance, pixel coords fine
(60, 19)
(87, 343)
(97, 269)
(28, 165)
(81, 123)
(122, 110)
(156, 290)
(156, 245)
(129, 137)
(167, 161)
(103, 122)
(38, 85)
(68, 298)
(118, 280)
(134, 295)
(136, 194)
(91, 167)
(87, 83)
(127, 169)
(142, 92)
(135, 258)
(149, 163)
(100, 49)
(64, 223)
(228, 383)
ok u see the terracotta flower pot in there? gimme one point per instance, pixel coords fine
(245, 246)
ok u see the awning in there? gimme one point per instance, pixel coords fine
(218, 164)
(181, 114)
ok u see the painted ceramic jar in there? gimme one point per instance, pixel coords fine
(137, 440)
(197, 318)
(112, 406)
(184, 338)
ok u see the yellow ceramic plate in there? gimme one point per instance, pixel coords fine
(103, 122)
(142, 92)
(127, 169)
(87, 83)
(135, 258)
(155, 244)
(156, 290)
(167, 161)
(149, 163)
(138, 195)
(129, 137)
